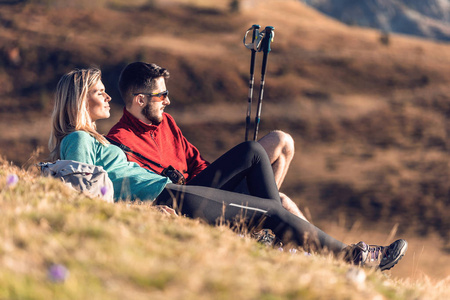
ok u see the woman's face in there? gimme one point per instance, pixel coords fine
(98, 101)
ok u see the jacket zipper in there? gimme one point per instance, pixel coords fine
(157, 146)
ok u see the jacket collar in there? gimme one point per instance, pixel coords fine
(135, 123)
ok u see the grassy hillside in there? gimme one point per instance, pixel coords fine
(58, 244)
(369, 112)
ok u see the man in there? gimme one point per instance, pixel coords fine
(156, 140)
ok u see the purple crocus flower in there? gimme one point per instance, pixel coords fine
(58, 273)
(11, 180)
(104, 190)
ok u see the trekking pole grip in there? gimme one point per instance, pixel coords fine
(268, 38)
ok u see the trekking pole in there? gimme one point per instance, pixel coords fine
(253, 47)
(265, 45)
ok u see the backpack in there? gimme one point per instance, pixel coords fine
(82, 177)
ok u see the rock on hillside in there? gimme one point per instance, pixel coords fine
(429, 19)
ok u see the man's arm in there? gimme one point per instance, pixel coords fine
(195, 161)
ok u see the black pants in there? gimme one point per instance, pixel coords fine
(246, 162)
(209, 196)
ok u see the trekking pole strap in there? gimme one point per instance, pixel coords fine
(257, 37)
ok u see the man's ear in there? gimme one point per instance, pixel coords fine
(139, 100)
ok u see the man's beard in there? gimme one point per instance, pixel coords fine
(147, 112)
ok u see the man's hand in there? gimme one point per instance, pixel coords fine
(166, 210)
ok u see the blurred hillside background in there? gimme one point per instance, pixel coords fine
(368, 109)
(428, 19)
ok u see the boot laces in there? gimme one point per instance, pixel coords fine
(374, 255)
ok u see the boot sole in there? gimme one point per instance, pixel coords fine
(400, 256)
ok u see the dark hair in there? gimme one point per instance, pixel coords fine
(139, 77)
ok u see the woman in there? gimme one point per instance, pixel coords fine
(81, 100)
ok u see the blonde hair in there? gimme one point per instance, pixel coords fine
(71, 110)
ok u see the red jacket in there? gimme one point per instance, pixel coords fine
(163, 144)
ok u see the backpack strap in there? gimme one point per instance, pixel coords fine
(134, 153)
(173, 174)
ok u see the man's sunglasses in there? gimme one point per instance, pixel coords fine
(162, 96)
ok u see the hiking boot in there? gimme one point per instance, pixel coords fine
(380, 257)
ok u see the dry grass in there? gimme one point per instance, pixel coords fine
(131, 251)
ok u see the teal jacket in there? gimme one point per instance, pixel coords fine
(129, 179)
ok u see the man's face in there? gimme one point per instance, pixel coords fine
(153, 110)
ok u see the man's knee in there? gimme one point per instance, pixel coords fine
(252, 147)
(278, 143)
(285, 142)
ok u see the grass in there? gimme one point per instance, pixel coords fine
(132, 251)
